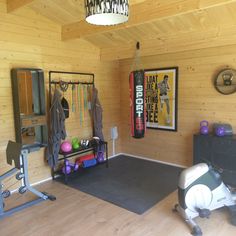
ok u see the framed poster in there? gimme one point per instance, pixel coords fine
(161, 98)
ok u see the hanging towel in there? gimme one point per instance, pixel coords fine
(79, 104)
(57, 130)
(73, 98)
(82, 102)
(96, 114)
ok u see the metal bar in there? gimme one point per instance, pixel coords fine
(24, 154)
(66, 176)
(67, 72)
(71, 82)
(21, 207)
(53, 173)
(8, 173)
(22, 169)
(106, 155)
(50, 92)
(70, 73)
(74, 153)
(1, 199)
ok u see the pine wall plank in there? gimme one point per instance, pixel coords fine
(33, 41)
(197, 100)
(29, 40)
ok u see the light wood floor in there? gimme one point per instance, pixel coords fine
(76, 213)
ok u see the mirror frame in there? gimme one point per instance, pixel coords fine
(38, 120)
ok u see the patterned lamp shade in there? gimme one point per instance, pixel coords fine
(106, 12)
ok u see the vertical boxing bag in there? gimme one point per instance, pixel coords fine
(137, 103)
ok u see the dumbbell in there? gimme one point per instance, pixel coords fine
(69, 167)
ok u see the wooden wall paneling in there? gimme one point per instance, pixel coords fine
(32, 41)
(197, 100)
(40, 31)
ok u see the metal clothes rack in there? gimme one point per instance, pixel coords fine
(69, 82)
(64, 156)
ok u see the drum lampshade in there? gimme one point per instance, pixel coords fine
(106, 12)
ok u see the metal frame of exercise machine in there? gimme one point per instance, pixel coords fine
(19, 154)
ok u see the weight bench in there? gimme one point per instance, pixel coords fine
(19, 155)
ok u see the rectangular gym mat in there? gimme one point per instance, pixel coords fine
(131, 183)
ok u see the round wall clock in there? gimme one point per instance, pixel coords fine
(225, 81)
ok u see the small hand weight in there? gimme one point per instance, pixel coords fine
(220, 131)
(204, 127)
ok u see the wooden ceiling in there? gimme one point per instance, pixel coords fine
(161, 26)
(63, 11)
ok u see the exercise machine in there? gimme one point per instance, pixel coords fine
(200, 191)
(19, 155)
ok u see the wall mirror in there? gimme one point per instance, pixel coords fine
(29, 106)
(225, 81)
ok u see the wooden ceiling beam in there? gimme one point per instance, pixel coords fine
(214, 37)
(144, 12)
(13, 5)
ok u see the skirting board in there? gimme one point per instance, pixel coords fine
(110, 157)
(34, 184)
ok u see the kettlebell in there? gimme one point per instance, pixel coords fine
(75, 143)
(204, 127)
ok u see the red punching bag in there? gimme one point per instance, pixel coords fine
(137, 104)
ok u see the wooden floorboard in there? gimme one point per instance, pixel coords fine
(77, 213)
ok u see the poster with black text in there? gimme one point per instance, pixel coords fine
(161, 98)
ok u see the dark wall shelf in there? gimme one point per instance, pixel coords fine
(220, 152)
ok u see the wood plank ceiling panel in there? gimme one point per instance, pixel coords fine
(189, 17)
(13, 5)
(216, 17)
(60, 11)
(64, 12)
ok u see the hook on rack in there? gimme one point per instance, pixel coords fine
(63, 85)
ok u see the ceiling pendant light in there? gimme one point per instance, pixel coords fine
(106, 12)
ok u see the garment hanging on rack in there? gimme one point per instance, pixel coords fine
(82, 102)
(65, 106)
(79, 104)
(57, 130)
(64, 87)
(85, 97)
(73, 107)
(89, 96)
(96, 113)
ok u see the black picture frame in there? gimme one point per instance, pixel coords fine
(161, 98)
